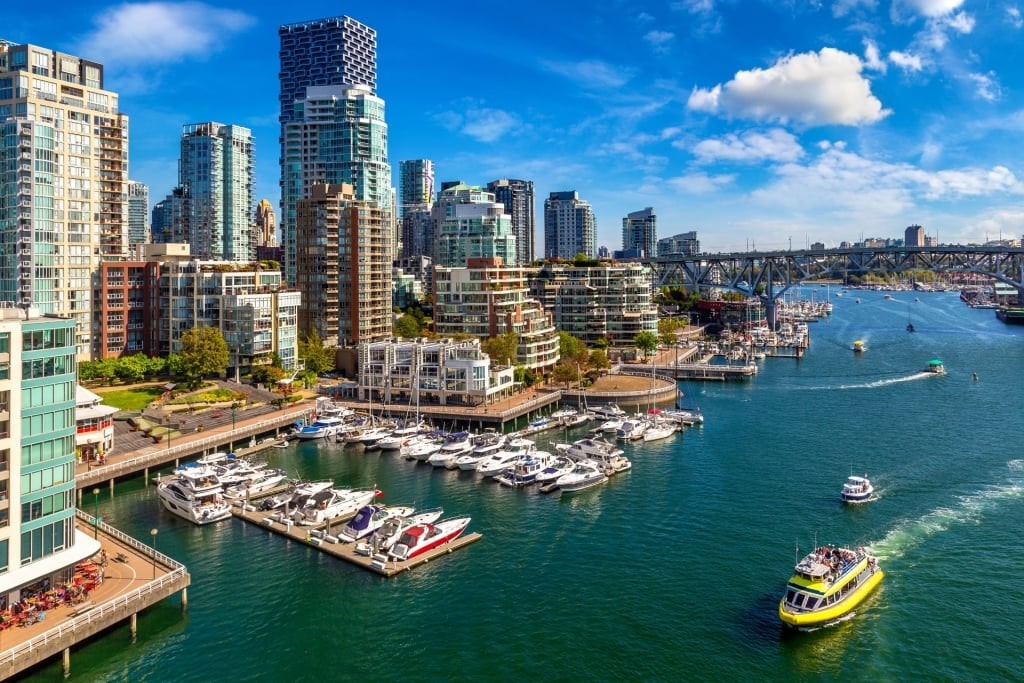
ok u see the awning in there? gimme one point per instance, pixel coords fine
(94, 412)
(85, 547)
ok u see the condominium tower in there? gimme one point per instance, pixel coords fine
(63, 182)
(519, 199)
(470, 224)
(640, 234)
(216, 173)
(569, 226)
(332, 122)
(138, 215)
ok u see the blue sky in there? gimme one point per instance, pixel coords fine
(758, 124)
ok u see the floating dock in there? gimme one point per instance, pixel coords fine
(346, 551)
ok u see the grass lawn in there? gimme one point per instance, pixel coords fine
(132, 399)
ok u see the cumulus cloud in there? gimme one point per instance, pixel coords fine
(695, 6)
(906, 61)
(840, 8)
(154, 33)
(480, 123)
(872, 59)
(812, 89)
(590, 73)
(776, 145)
(659, 40)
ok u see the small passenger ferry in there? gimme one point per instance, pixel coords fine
(935, 367)
(827, 584)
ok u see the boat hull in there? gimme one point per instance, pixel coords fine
(834, 612)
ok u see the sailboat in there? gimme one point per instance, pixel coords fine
(657, 427)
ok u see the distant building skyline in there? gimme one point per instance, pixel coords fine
(569, 226)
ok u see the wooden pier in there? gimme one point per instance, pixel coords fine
(346, 551)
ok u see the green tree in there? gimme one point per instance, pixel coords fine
(667, 331)
(502, 349)
(572, 350)
(599, 360)
(155, 366)
(525, 376)
(407, 327)
(646, 342)
(131, 369)
(267, 375)
(88, 370)
(317, 357)
(203, 352)
(566, 374)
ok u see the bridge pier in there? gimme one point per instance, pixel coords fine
(771, 314)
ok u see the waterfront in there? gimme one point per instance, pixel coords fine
(673, 570)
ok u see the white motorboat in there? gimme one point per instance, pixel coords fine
(610, 426)
(584, 475)
(268, 478)
(422, 450)
(631, 430)
(369, 519)
(609, 412)
(370, 437)
(381, 540)
(686, 416)
(486, 444)
(296, 499)
(524, 470)
(195, 494)
(583, 449)
(562, 464)
(332, 503)
(457, 444)
(401, 436)
(321, 428)
(497, 462)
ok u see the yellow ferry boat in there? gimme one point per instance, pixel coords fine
(827, 584)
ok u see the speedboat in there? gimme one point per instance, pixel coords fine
(300, 494)
(610, 426)
(935, 367)
(827, 584)
(381, 540)
(610, 411)
(631, 430)
(859, 347)
(369, 519)
(686, 416)
(424, 537)
(421, 449)
(584, 475)
(332, 503)
(195, 494)
(266, 479)
(321, 428)
(498, 462)
(608, 457)
(857, 489)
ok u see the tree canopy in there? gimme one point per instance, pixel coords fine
(646, 342)
(502, 349)
(318, 359)
(203, 352)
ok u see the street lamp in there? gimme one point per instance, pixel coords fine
(153, 532)
(234, 409)
(96, 515)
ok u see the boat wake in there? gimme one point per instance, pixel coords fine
(970, 508)
(876, 383)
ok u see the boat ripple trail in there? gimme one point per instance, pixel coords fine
(876, 383)
(971, 508)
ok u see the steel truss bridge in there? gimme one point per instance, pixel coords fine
(769, 275)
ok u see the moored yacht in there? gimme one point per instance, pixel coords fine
(424, 537)
(381, 540)
(195, 494)
(331, 503)
(321, 428)
(457, 444)
(584, 475)
(369, 519)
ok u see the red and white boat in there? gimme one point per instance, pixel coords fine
(420, 538)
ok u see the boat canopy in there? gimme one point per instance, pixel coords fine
(935, 362)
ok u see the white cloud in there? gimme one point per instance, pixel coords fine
(1013, 17)
(151, 33)
(776, 145)
(932, 8)
(872, 60)
(700, 183)
(480, 123)
(695, 6)
(590, 73)
(812, 89)
(906, 61)
(961, 22)
(659, 40)
(987, 87)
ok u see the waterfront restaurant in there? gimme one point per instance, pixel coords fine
(94, 426)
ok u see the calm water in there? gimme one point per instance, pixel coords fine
(671, 571)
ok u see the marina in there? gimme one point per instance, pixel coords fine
(758, 473)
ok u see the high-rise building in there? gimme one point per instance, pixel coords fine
(569, 226)
(914, 236)
(519, 201)
(215, 172)
(39, 541)
(344, 267)
(138, 215)
(470, 224)
(640, 234)
(331, 51)
(332, 122)
(685, 244)
(63, 184)
(266, 225)
(415, 184)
